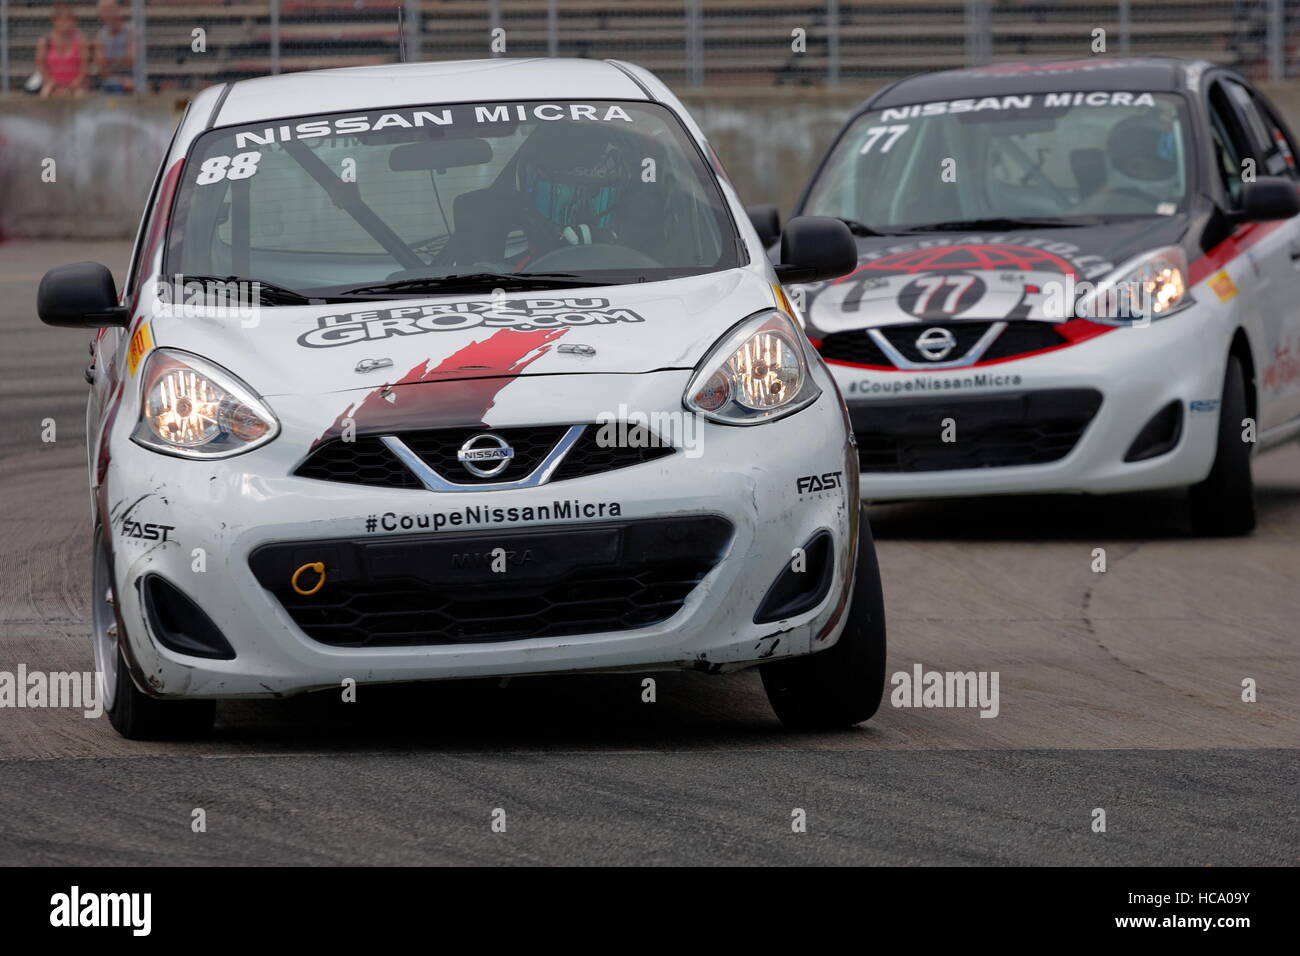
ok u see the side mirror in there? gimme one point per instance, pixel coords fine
(1266, 199)
(80, 296)
(816, 247)
(766, 222)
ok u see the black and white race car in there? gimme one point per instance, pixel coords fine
(1079, 276)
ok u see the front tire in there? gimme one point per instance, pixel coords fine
(842, 685)
(132, 713)
(1223, 505)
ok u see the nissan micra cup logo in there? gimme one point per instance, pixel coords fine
(485, 455)
(936, 343)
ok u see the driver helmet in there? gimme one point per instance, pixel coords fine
(1142, 149)
(573, 175)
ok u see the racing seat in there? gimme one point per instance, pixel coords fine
(482, 218)
(1089, 169)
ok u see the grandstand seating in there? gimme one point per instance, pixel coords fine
(745, 42)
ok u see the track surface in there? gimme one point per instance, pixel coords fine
(1118, 690)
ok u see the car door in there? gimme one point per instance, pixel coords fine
(1280, 377)
(1274, 253)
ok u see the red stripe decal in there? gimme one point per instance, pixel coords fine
(1242, 239)
(460, 401)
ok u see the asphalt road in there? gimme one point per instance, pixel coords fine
(1119, 691)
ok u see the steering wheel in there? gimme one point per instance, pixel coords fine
(597, 255)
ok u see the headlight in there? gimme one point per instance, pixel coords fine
(195, 409)
(757, 372)
(1150, 287)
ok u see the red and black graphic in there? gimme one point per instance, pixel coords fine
(975, 256)
(946, 285)
(966, 283)
(417, 400)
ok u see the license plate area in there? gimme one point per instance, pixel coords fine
(490, 557)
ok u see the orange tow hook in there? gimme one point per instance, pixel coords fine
(319, 568)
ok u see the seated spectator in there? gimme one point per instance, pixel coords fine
(114, 50)
(61, 56)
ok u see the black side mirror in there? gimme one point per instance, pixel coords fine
(1266, 199)
(766, 222)
(816, 247)
(80, 296)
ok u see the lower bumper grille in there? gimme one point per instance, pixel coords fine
(418, 590)
(1019, 428)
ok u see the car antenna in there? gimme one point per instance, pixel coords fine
(401, 34)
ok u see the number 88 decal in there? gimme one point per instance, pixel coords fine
(218, 168)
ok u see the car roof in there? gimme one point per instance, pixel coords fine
(1140, 74)
(416, 84)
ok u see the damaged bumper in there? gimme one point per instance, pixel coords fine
(661, 565)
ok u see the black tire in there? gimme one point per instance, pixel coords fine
(138, 717)
(843, 685)
(134, 714)
(1223, 505)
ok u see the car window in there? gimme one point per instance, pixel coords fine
(1227, 141)
(608, 189)
(1052, 155)
(1270, 145)
(134, 272)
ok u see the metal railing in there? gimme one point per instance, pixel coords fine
(183, 44)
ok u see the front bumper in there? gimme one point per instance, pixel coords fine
(220, 514)
(1137, 372)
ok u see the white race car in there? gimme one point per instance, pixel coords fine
(1079, 276)
(479, 371)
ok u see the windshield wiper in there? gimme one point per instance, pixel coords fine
(861, 228)
(999, 222)
(267, 292)
(477, 280)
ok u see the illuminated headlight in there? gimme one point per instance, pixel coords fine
(195, 409)
(1152, 287)
(757, 372)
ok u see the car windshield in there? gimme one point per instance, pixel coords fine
(1050, 158)
(511, 194)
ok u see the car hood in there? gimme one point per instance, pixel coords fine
(952, 276)
(299, 350)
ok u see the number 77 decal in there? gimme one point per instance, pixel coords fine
(932, 284)
(875, 132)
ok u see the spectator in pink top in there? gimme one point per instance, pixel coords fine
(61, 56)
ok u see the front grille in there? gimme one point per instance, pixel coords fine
(438, 448)
(1020, 428)
(596, 452)
(1018, 338)
(903, 338)
(366, 461)
(362, 462)
(418, 590)
(856, 347)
